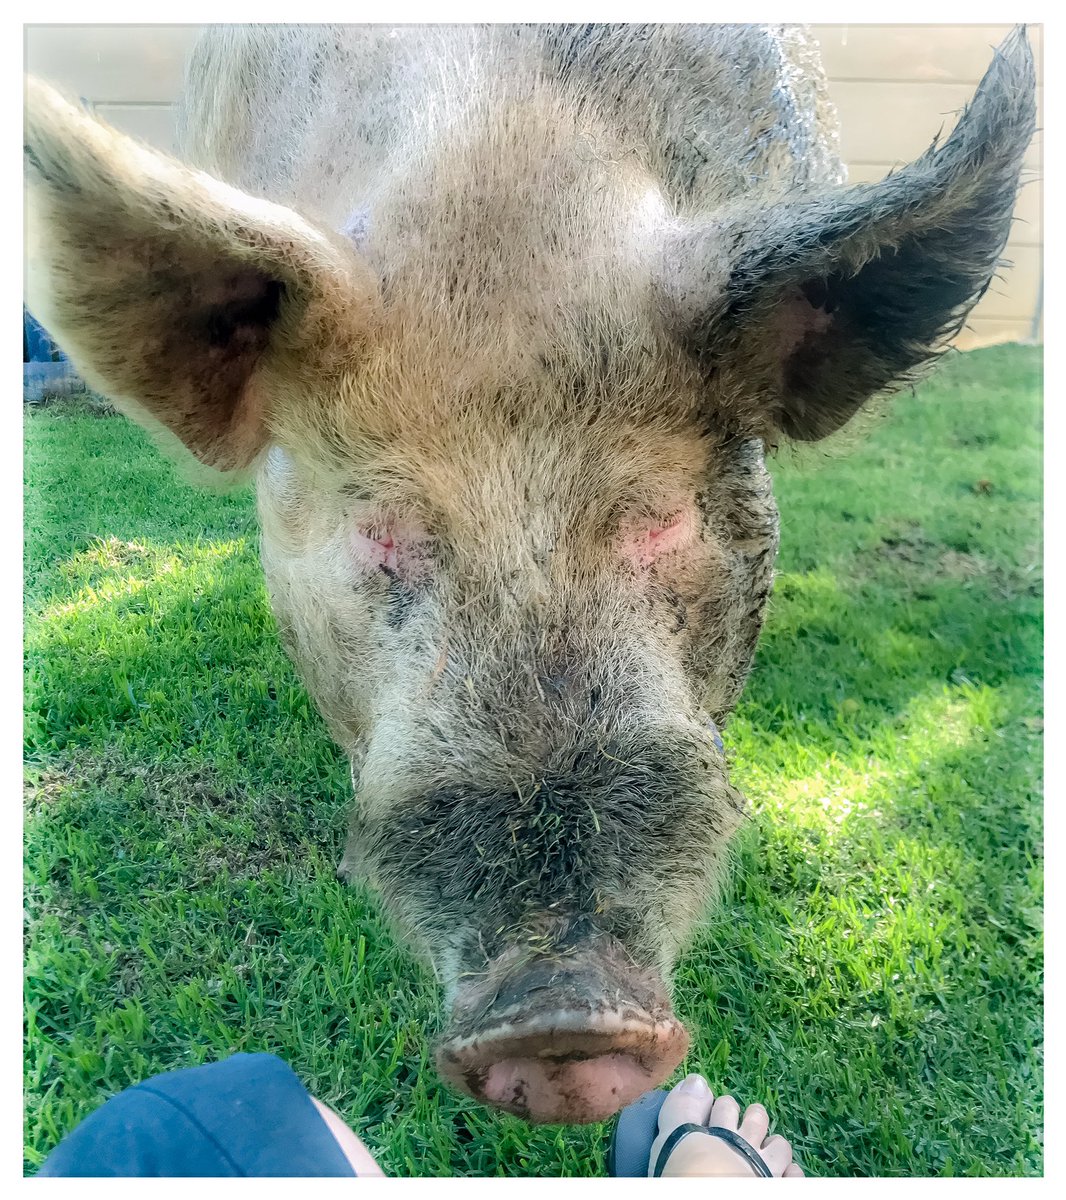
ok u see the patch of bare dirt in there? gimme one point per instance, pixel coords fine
(274, 829)
(933, 561)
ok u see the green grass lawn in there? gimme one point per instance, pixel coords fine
(874, 972)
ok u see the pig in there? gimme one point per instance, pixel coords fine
(503, 321)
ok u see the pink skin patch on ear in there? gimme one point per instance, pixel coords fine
(797, 319)
(645, 539)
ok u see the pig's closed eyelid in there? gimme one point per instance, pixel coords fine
(391, 542)
(658, 524)
(372, 548)
(646, 536)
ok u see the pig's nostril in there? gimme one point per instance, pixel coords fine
(566, 1037)
(574, 1091)
(569, 1068)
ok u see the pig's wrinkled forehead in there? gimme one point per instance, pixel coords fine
(588, 388)
(476, 458)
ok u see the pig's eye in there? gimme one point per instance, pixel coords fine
(375, 547)
(645, 538)
(396, 546)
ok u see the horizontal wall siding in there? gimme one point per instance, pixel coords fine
(895, 122)
(915, 53)
(991, 331)
(1015, 291)
(895, 88)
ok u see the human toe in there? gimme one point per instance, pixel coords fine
(755, 1125)
(688, 1103)
(776, 1152)
(725, 1113)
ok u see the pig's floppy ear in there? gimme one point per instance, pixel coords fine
(818, 303)
(173, 293)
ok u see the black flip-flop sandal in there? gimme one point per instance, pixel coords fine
(734, 1140)
(637, 1128)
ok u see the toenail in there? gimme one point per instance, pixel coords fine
(694, 1085)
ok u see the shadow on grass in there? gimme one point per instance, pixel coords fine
(169, 651)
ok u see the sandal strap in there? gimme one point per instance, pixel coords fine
(745, 1149)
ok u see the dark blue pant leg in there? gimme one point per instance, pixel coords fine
(246, 1116)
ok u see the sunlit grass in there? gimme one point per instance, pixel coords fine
(844, 786)
(102, 574)
(873, 972)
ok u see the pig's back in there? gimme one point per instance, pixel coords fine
(721, 109)
(318, 116)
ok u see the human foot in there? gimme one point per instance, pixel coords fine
(697, 1153)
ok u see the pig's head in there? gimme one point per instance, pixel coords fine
(517, 527)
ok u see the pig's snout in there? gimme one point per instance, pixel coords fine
(562, 1039)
